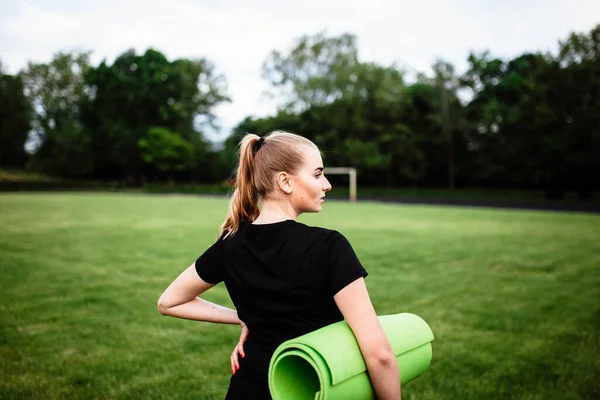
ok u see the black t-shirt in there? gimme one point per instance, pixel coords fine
(281, 278)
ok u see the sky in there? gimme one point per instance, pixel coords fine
(237, 36)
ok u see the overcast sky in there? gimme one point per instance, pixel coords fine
(238, 35)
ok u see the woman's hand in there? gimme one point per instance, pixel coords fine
(239, 349)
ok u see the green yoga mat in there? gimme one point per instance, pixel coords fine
(327, 364)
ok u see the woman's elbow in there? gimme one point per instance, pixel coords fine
(383, 356)
(162, 307)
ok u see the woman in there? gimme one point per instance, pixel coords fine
(284, 278)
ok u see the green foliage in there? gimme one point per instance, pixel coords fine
(359, 118)
(167, 151)
(535, 119)
(316, 71)
(138, 92)
(15, 113)
(55, 91)
(19, 175)
(532, 121)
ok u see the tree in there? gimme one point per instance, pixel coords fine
(532, 121)
(446, 83)
(535, 117)
(445, 112)
(138, 92)
(315, 72)
(352, 110)
(575, 96)
(196, 89)
(15, 112)
(166, 151)
(54, 91)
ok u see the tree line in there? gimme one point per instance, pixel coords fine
(532, 121)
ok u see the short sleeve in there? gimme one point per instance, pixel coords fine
(209, 265)
(344, 265)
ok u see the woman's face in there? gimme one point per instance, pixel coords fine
(309, 183)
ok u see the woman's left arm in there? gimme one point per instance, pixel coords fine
(181, 300)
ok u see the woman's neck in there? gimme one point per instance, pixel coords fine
(275, 211)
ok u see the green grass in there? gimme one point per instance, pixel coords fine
(512, 296)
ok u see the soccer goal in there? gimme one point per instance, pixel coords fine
(343, 171)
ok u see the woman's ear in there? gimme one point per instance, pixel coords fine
(284, 182)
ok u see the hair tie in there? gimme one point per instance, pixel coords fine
(258, 144)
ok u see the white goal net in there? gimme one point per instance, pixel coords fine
(345, 171)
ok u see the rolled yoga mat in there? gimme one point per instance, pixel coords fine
(327, 364)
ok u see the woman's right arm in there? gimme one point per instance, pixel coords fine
(356, 307)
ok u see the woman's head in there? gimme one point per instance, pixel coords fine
(281, 167)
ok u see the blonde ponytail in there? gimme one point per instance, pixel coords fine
(259, 160)
(243, 206)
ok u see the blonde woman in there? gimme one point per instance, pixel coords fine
(285, 278)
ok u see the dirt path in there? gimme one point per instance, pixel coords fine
(591, 206)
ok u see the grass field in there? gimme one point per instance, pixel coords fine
(513, 297)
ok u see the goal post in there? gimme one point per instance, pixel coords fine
(343, 171)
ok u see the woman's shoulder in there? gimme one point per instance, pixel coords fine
(298, 232)
(320, 233)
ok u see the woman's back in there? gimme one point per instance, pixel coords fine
(282, 278)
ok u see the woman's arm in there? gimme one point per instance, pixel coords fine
(181, 300)
(355, 304)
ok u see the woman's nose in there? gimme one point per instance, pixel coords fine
(327, 186)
